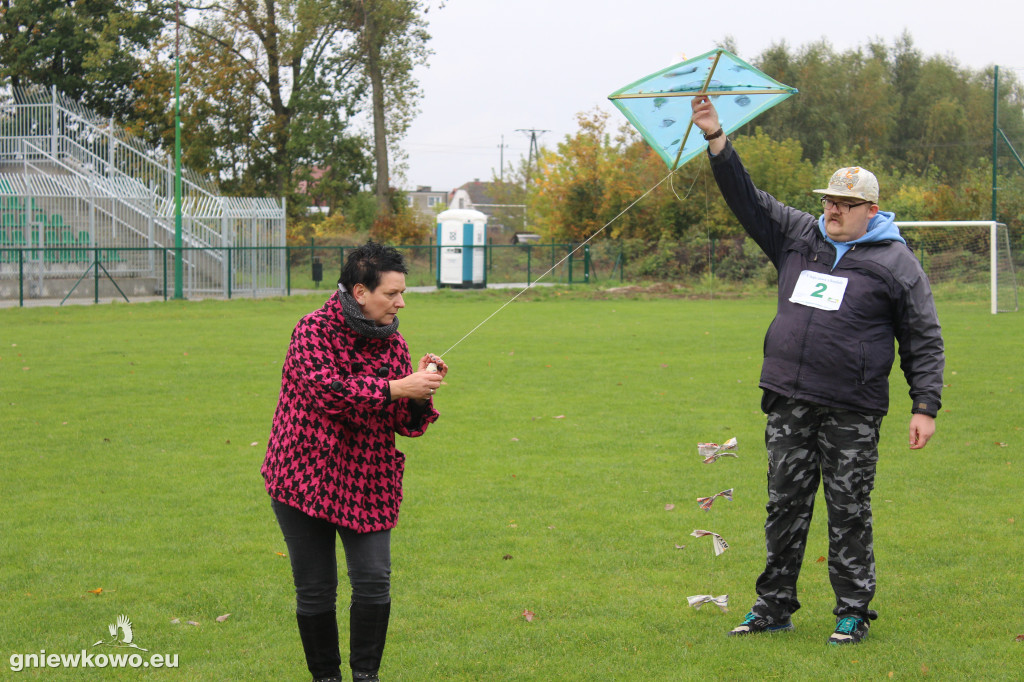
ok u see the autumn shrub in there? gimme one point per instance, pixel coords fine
(400, 227)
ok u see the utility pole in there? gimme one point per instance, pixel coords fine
(534, 149)
(501, 167)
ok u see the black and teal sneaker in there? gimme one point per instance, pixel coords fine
(849, 630)
(753, 624)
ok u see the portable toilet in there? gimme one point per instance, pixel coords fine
(461, 242)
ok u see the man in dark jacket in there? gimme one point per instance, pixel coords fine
(848, 286)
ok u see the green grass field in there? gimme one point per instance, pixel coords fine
(131, 438)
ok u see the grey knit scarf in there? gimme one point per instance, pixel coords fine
(359, 323)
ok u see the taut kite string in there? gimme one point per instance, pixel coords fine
(567, 257)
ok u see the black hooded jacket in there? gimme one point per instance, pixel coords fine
(839, 358)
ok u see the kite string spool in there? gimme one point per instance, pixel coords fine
(567, 257)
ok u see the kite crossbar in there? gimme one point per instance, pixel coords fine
(693, 93)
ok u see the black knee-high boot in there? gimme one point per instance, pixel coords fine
(319, 635)
(368, 630)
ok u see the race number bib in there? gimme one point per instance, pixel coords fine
(816, 290)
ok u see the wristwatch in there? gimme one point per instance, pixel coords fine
(718, 133)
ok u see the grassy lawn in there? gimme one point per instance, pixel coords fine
(131, 438)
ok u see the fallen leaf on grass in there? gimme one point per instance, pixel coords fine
(561, 416)
(680, 546)
(98, 590)
(819, 559)
(175, 621)
(254, 443)
(192, 622)
(669, 507)
(507, 557)
(221, 619)
(1019, 638)
(528, 615)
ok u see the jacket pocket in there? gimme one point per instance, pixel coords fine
(863, 363)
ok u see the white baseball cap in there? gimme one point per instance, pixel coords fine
(854, 182)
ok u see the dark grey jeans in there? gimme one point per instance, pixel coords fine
(314, 559)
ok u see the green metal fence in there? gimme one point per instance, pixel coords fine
(503, 263)
(66, 271)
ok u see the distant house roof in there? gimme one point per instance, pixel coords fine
(478, 194)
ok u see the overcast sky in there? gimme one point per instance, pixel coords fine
(504, 65)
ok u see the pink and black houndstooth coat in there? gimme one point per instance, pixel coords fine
(332, 445)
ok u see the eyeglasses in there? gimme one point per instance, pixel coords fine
(840, 206)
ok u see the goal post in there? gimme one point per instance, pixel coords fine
(966, 256)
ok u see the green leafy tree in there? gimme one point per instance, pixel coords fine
(274, 92)
(87, 49)
(392, 42)
(269, 92)
(567, 194)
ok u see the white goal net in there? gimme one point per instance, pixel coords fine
(966, 258)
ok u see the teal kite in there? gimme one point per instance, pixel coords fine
(658, 105)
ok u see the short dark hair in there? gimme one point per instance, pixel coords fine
(365, 264)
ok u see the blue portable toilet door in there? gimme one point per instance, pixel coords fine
(468, 254)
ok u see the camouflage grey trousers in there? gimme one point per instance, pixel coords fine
(808, 443)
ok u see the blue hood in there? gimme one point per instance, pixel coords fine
(881, 228)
